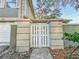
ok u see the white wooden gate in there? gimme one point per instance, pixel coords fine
(39, 35)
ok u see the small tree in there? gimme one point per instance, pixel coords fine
(45, 9)
(72, 37)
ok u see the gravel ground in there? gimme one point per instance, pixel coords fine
(3, 48)
(11, 54)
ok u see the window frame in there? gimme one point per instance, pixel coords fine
(13, 2)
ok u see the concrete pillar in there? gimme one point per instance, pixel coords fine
(23, 36)
(56, 33)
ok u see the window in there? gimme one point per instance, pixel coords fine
(11, 3)
(9, 8)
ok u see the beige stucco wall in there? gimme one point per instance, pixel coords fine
(23, 8)
(56, 33)
(23, 36)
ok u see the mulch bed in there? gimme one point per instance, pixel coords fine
(61, 53)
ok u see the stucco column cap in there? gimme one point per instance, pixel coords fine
(49, 20)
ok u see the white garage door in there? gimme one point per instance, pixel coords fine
(4, 34)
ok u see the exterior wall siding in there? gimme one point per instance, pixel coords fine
(25, 9)
(22, 9)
